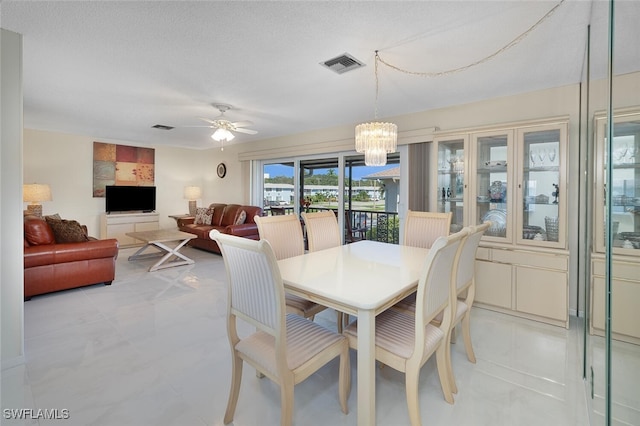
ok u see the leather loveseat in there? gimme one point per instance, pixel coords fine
(52, 266)
(226, 218)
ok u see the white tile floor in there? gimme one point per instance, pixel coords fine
(152, 350)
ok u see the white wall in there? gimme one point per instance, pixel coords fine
(11, 259)
(65, 162)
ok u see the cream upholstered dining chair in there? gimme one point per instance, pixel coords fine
(284, 233)
(323, 232)
(405, 342)
(422, 228)
(285, 347)
(465, 289)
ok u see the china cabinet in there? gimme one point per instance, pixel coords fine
(514, 176)
(625, 226)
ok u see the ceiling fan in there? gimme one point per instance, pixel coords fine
(225, 128)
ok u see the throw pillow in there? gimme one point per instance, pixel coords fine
(203, 216)
(67, 231)
(36, 232)
(55, 216)
(240, 218)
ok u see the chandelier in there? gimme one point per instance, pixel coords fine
(376, 139)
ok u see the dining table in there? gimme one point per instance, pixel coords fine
(362, 279)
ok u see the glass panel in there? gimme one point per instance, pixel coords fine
(278, 188)
(451, 181)
(371, 200)
(541, 177)
(625, 191)
(491, 199)
(319, 184)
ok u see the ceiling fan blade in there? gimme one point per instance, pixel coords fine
(247, 131)
(207, 120)
(242, 124)
(208, 127)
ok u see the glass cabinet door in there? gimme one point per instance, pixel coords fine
(625, 191)
(541, 155)
(450, 177)
(493, 189)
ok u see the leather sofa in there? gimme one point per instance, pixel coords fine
(224, 219)
(52, 266)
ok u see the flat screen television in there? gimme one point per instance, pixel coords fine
(130, 198)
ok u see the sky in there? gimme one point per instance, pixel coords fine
(358, 172)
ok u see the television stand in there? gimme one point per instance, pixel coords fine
(117, 225)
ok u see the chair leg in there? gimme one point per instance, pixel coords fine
(344, 380)
(339, 321)
(453, 335)
(443, 373)
(236, 377)
(286, 401)
(452, 379)
(466, 335)
(412, 376)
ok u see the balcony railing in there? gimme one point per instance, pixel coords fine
(378, 225)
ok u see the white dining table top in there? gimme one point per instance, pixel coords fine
(363, 275)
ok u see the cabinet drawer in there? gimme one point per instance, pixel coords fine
(621, 270)
(146, 226)
(625, 315)
(541, 260)
(541, 292)
(493, 284)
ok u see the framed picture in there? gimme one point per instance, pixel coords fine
(222, 170)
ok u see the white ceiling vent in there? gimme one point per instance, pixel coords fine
(342, 63)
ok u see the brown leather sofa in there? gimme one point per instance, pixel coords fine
(50, 266)
(224, 219)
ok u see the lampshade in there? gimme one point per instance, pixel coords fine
(192, 192)
(36, 192)
(222, 135)
(376, 139)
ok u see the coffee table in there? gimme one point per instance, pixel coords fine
(158, 239)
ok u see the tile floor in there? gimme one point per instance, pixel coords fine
(151, 349)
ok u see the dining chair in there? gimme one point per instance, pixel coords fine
(422, 228)
(465, 289)
(322, 228)
(323, 232)
(284, 233)
(405, 342)
(285, 347)
(353, 234)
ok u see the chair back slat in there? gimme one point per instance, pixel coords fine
(323, 231)
(436, 292)
(256, 292)
(466, 265)
(284, 233)
(423, 228)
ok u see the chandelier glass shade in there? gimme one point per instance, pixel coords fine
(376, 140)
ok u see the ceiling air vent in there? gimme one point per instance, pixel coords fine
(342, 63)
(161, 127)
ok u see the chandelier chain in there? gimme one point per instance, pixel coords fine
(503, 49)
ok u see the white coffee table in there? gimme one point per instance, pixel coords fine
(158, 239)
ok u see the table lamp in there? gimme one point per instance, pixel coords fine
(192, 193)
(35, 193)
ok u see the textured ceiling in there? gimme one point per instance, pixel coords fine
(114, 69)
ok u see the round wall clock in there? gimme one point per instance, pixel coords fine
(222, 170)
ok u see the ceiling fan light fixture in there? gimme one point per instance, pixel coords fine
(221, 135)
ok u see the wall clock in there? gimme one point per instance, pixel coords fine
(222, 170)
